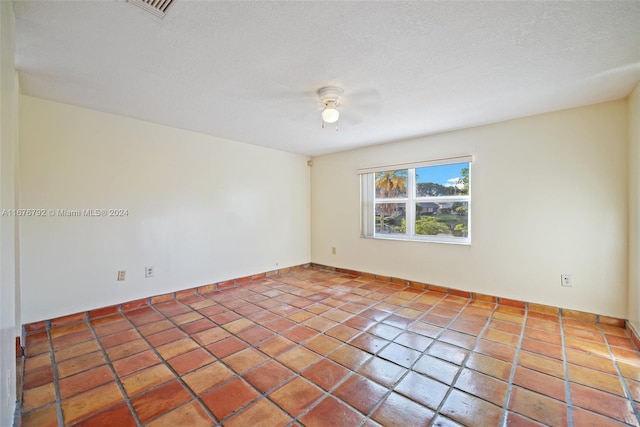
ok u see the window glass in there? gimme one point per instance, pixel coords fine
(392, 184)
(391, 218)
(443, 180)
(426, 203)
(442, 219)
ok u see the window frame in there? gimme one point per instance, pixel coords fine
(369, 202)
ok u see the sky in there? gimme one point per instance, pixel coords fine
(445, 175)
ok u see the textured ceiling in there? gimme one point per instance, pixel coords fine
(248, 70)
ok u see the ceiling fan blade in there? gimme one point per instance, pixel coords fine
(355, 106)
(362, 97)
(359, 106)
(353, 118)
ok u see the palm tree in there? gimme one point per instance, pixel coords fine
(390, 184)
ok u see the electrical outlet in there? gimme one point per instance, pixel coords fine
(333, 250)
(121, 274)
(566, 280)
(148, 271)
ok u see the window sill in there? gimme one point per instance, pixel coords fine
(443, 240)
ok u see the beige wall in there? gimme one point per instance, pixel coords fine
(9, 292)
(200, 209)
(634, 208)
(549, 196)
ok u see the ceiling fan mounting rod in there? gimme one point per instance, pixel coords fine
(330, 93)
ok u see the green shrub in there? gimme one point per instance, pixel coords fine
(430, 226)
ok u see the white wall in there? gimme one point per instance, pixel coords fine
(634, 208)
(549, 196)
(201, 209)
(9, 324)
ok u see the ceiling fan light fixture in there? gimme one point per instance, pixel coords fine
(330, 114)
(330, 98)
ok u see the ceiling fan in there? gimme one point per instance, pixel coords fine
(356, 105)
(330, 98)
(351, 107)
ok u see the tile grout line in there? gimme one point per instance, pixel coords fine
(353, 372)
(344, 297)
(269, 357)
(621, 377)
(248, 303)
(20, 403)
(168, 366)
(344, 343)
(109, 363)
(468, 302)
(514, 366)
(218, 360)
(409, 369)
(298, 374)
(249, 345)
(435, 338)
(342, 293)
(565, 365)
(56, 379)
(127, 398)
(325, 393)
(464, 361)
(165, 362)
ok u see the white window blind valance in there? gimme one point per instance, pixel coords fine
(412, 165)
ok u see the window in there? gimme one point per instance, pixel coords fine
(427, 201)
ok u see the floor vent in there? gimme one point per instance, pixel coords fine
(157, 8)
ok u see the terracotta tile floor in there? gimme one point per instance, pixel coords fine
(319, 348)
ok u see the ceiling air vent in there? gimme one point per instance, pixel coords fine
(157, 8)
